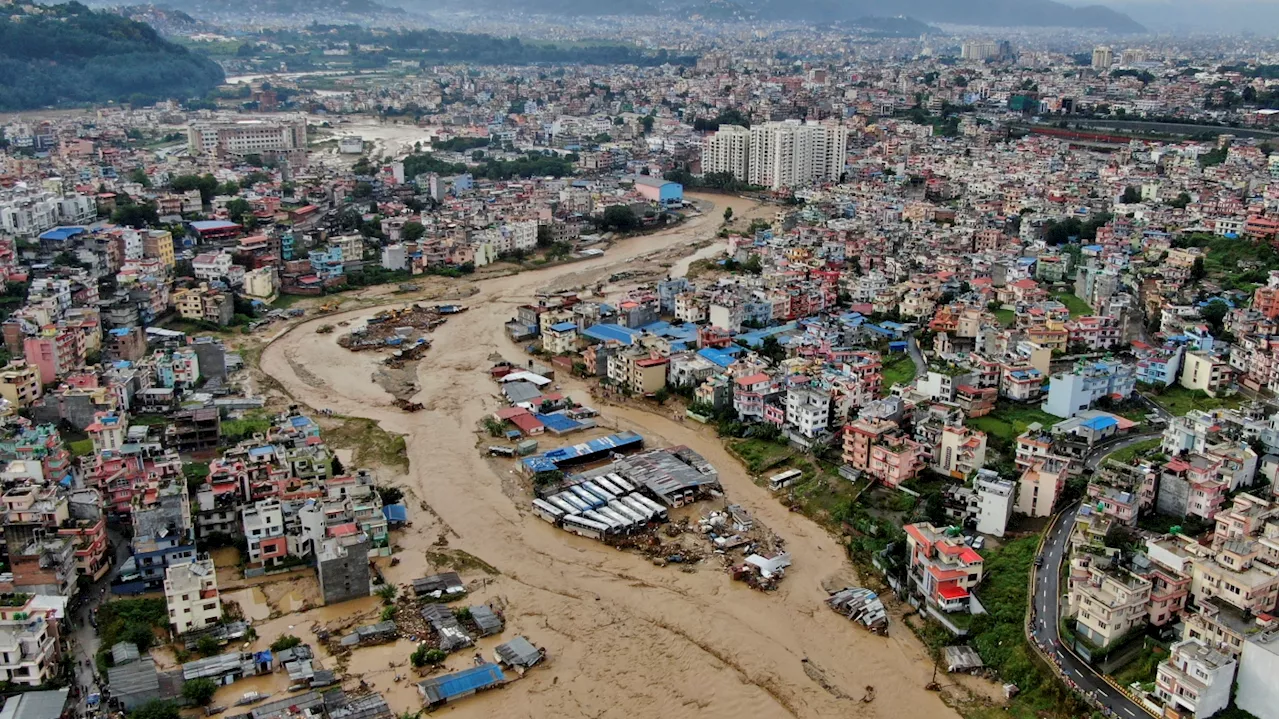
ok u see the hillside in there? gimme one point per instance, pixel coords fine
(997, 13)
(68, 54)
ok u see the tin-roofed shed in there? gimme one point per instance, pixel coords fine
(451, 687)
(519, 653)
(486, 620)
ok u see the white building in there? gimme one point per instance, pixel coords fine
(727, 150)
(247, 137)
(1073, 392)
(1196, 679)
(1103, 58)
(211, 266)
(191, 592)
(794, 153)
(808, 411)
(995, 503)
(395, 257)
(1256, 681)
(264, 531)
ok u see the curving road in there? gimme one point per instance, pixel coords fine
(1048, 597)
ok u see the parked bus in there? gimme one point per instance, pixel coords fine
(622, 483)
(599, 491)
(608, 486)
(661, 510)
(584, 527)
(782, 480)
(596, 515)
(547, 511)
(624, 523)
(638, 506)
(592, 500)
(562, 505)
(574, 501)
(618, 506)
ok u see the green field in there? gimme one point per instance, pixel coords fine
(1005, 317)
(1127, 454)
(1179, 400)
(895, 368)
(1077, 306)
(761, 454)
(1010, 420)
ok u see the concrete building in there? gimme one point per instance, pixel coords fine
(727, 150)
(1256, 679)
(191, 593)
(1196, 680)
(248, 137)
(995, 498)
(1111, 603)
(264, 532)
(808, 411)
(1040, 485)
(20, 383)
(343, 567)
(1072, 392)
(1205, 372)
(29, 641)
(943, 569)
(1103, 58)
(794, 153)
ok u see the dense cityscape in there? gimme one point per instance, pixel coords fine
(688, 359)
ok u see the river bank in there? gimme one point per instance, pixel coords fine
(624, 636)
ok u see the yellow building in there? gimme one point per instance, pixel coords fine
(1205, 372)
(158, 244)
(20, 383)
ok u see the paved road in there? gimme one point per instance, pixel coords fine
(1048, 597)
(84, 637)
(913, 349)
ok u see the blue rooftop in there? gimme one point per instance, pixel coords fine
(756, 337)
(261, 451)
(615, 333)
(62, 234)
(721, 357)
(462, 683)
(558, 422)
(1100, 422)
(552, 459)
(395, 512)
(563, 327)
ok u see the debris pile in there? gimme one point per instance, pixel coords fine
(393, 328)
(752, 553)
(861, 605)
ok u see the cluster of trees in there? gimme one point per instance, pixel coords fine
(533, 164)
(460, 144)
(69, 54)
(438, 47)
(732, 116)
(1061, 232)
(724, 181)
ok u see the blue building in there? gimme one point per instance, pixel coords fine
(327, 263)
(664, 192)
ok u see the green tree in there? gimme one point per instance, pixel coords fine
(646, 123)
(137, 216)
(199, 691)
(772, 350)
(412, 231)
(1214, 313)
(619, 217)
(1130, 196)
(285, 641)
(156, 709)
(238, 209)
(1197, 270)
(207, 645)
(728, 214)
(139, 176)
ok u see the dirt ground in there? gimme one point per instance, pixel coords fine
(624, 638)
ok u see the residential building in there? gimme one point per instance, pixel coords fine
(961, 451)
(1040, 485)
(20, 383)
(1109, 604)
(1195, 680)
(727, 150)
(263, 523)
(943, 569)
(881, 449)
(29, 641)
(1072, 392)
(191, 593)
(808, 411)
(1256, 679)
(794, 153)
(1205, 372)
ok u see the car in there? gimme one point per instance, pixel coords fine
(1039, 561)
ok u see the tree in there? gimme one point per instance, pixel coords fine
(156, 709)
(424, 655)
(544, 236)
(412, 231)
(1197, 270)
(1130, 196)
(238, 209)
(136, 216)
(335, 466)
(139, 176)
(199, 691)
(619, 217)
(207, 645)
(1214, 313)
(285, 641)
(728, 214)
(390, 495)
(772, 350)
(646, 123)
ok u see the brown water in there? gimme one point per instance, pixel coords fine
(624, 638)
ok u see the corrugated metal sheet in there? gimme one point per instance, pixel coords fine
(460, 684)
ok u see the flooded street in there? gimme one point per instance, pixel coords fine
(624, 638)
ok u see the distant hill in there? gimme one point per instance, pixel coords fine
(283, 7)
(891, 26)
(69, 54)
(996, 13)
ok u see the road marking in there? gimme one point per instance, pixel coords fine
(1129, 711)
(1077, 671)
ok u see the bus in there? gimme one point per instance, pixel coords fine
(592, 500)
(661, 510)
(781, 480)
(622, 483)
(597, 490)
(584, 527)
(548, 511)
(573, 501)
(608, 486)
(563, 506)
(639, 507)
(620, 507)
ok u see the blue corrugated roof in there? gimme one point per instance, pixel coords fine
(395, 512)
(755, 338)
(552, 459)
(616, 333)
(563, 326)
(558, 422)
(62, 234)
(468, 680)
(721, 357)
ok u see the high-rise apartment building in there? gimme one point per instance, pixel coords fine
(1102, 58)
(249, 137)
(794, 153)
(727, 150)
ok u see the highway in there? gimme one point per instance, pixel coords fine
(1048, 596)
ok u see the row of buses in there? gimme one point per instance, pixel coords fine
(599, 507)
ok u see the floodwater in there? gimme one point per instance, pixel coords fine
(624, 638)
(252, 602)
